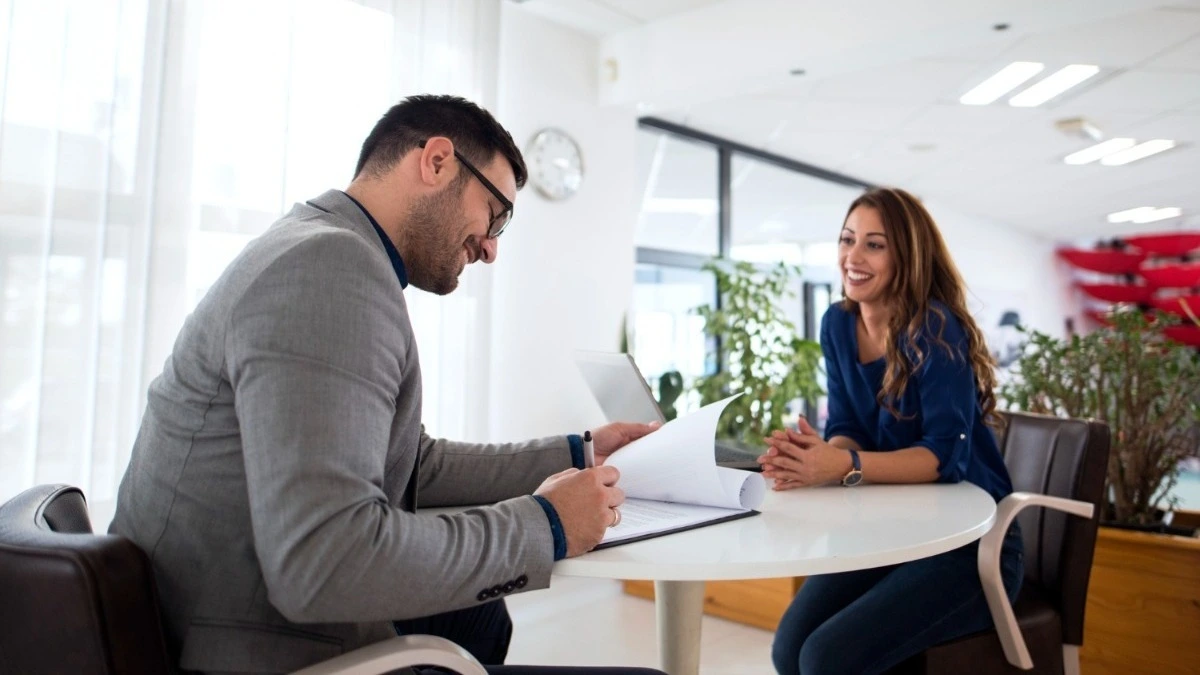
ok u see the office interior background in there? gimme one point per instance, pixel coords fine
(143, 143)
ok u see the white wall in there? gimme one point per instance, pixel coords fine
(564, 276)
(1002, 264)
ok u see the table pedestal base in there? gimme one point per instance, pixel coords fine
(679, 606)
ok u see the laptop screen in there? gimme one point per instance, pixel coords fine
(618, 386)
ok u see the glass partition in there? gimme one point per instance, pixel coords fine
(677, 180)
(784, 215)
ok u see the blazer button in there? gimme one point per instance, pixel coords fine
(522, 580)
(495, 591)
(483, 595)
(510, 587)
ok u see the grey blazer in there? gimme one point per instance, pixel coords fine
(274, 476)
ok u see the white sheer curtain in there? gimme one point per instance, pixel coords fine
(143, 143)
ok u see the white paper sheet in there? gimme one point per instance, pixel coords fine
(677, 465)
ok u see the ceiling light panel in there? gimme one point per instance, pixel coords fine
(1139, 151)
(1159, 214)
(1053, 85)
(1010, 77)
(1099, 150)
(1145, 214)
(1128, 215)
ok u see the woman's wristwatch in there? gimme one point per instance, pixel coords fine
(854, 477)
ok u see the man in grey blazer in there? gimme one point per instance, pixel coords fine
(276, 474)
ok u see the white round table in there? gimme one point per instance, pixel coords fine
(800, 532)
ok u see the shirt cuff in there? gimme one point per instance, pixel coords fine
(576, 443)
(556, 528)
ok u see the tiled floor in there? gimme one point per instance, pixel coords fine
(590, 622)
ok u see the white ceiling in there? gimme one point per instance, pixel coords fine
(900, 123)
(604, 17)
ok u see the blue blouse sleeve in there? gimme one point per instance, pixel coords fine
(841, 420)
(946, 386)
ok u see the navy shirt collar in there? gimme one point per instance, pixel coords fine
(393, 254)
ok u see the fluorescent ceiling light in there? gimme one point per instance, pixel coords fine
(1159, 214)
(1145, 214)
(700, 207)
(1052, 86)
(1099, 150)
(1137, 152)
(1128, 215)
(1010, 77)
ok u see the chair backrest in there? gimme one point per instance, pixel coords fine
(1062, 458)
(72, 601)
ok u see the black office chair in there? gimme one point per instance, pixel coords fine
(76, 602)
(1058, 464)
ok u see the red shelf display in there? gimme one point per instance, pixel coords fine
(1165, 260)
(1188, 335)
(1107, 262)
(1118, 292)
(1186, 275)
(1172, 244)
(1175, 304)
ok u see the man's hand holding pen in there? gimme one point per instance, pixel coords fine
(587, 501)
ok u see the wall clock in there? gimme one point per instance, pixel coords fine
(555, 164)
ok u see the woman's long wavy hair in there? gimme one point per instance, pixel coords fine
(922, 272)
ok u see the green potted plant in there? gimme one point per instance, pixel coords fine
(762, 355)
(1144, 386)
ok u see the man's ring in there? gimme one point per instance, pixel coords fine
(616, 516)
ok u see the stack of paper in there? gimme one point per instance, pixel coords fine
(672, 482)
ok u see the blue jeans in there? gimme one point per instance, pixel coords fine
(870, 620)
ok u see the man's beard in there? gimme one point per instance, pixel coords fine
(435, 241)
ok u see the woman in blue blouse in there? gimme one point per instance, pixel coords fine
(910, 399)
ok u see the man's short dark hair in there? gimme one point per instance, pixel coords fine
(475, 133)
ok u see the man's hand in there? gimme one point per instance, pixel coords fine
(612, 437)
(585, 502)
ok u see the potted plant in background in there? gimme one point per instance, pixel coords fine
(1145, 387)
(1143, 611)
(762, 354)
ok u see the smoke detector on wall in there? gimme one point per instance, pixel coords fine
(1079, 127)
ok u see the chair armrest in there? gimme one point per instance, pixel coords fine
(399, 652)
(989, 567)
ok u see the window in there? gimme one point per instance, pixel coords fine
(134, 167)
(782, 215)
(666, 334)
(678, 182)
(704, 197)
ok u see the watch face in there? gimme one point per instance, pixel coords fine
(555, 164)
(852, 478)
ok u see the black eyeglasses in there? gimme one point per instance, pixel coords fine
(501, 220)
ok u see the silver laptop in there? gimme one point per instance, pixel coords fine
(619, 387)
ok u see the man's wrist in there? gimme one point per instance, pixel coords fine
(575, 442)
(556, 527)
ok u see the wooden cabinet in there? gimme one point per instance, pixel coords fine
(1143, 609)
